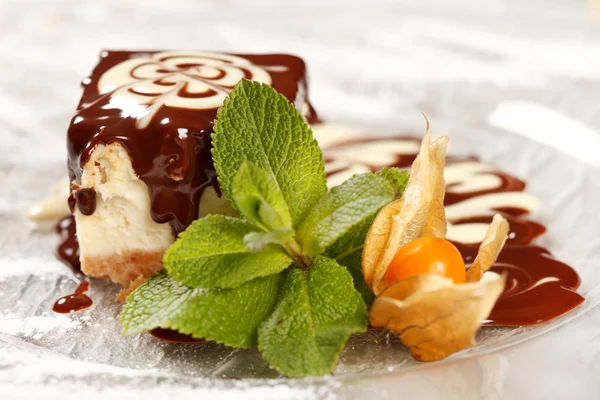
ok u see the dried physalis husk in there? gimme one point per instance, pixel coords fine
(420, 212)
(436, 317)
(490, 248)
(433, 316)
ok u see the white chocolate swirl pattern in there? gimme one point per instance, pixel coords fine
(480, 184)
(192, 80)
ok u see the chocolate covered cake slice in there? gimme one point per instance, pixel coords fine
(139, 150)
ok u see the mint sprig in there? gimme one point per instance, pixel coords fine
(347, 251)
(285, 275)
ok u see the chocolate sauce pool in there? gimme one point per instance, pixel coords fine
(538, 287)
(68, 247)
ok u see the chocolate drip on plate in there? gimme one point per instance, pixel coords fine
(522, 231)
(74, 302)
(508, 184)
(68, 248)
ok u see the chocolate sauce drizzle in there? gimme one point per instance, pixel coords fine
(74, 302)
(85, 199)
(68, 248)
(538, 287)
(68, 252)
(171, 154)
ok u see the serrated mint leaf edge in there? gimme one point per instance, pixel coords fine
(397, 177)
(188, 293)
(184, 264)
(361, 309)
(317, 235)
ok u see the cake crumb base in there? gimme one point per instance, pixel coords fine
(130, 269)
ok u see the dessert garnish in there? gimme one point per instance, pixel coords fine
(538, 286)
(268, 278)
(423, 292)
(74, 302)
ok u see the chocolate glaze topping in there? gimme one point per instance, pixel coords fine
(539, 287)
(86, 200)
(74, 302)
(170, 151)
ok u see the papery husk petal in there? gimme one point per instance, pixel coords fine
(433, 316)
(490, 248)
(377, 243)
(420, 212)
(435, 224)
(405, 221)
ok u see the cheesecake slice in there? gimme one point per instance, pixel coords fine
(139, 150)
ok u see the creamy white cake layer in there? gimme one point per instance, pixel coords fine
(121, 221)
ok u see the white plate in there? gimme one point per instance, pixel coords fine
(492, 76)
(31, 280)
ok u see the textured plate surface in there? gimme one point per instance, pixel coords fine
(507, 89)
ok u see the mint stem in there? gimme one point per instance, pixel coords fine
(293, 248)
(349, 251)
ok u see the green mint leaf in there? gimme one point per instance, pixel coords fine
(228, 316)
(347, 206)
(258, 241)
(347, 251)
(258, 198)
(259, 125)
(211, 253)
(317, 310)
(353, 263)
(353, 241)
(396, 177)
